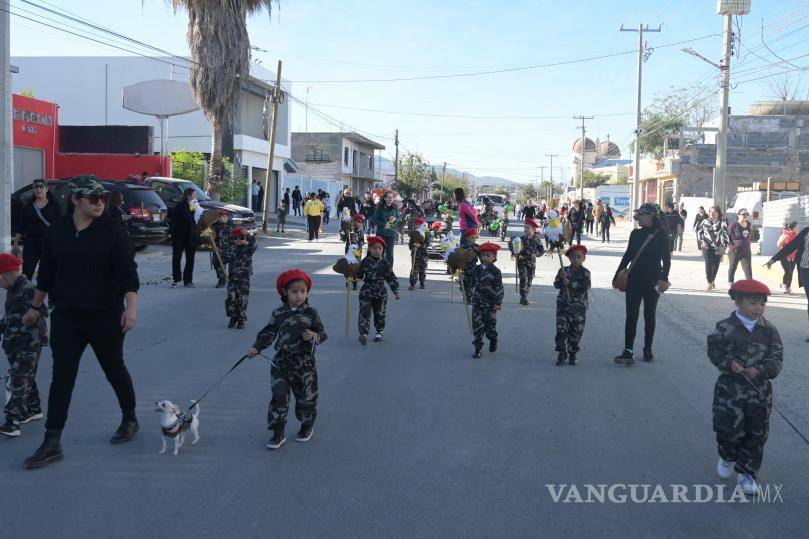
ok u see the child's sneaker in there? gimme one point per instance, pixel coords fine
(232, 323)
(240, 324)
(32, 416)
(421, 285)
(724, 468)
(278, 439)
(523, 301)
(363, 339)
(493, 345)
(748, 484)
(10, 429)
(411, 287)
(627, 358)
(561, 359)
(304, 433)
(478, 348)
(572, 359)
(378, 337)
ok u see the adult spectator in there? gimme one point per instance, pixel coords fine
(254, 195)
(287, 200)
(88, 269)
(260, 204)
(386, 218)
(346, 201)
(597, 211)
(789, 233)
(36, 218)
(712, 238)
(576, 222)
(326, 208)
(681, 230)
(673, 223)
(116, 208)
(606, 219)
(800, 247)
(650, 258)
(144, 175)
(184, 239)
(698, 218)
(296, 201)
(467, 216)
(530, 211)
(589, 218)
(741, 237)
(313, 210)
(368, 211)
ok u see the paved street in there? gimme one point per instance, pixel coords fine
(413, 437)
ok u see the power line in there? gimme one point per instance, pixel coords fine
(464, 116)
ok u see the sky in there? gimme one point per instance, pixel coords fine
(496, 124)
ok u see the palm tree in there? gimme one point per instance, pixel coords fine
(220, 58)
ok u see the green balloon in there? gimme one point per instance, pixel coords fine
(442, 208)
(509, 207)
(494, 226)
(454, 214)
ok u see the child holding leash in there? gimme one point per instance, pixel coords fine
(297, 330)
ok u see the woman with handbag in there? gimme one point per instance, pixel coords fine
(712, 238)
(35, 219)
(643, 274)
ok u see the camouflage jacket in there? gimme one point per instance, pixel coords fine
(286, 327)
(374, 272)
(448, 222)
(355, 236)
(575, 297)
(531, 248)
(760, 348)
(17, 337)
(240, 257)
(422, 250)
(488, 285)
(469, 269)
(222, 241)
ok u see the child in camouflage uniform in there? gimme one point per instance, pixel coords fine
(526, 258)
(487, 297)
(222, 232)
(573, 283)
(375, 272)
(240, 263)
(418, 258)
(356, 234)
(447, 221)
(747, 350)
(471, 237)
(297, 330)
(22, 345)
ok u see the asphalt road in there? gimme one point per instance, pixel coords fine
(414, 437)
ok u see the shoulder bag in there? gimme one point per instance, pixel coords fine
(622, 277)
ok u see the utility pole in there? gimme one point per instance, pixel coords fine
(307, 109)
(721, 169)
(443, 178)
(277, 95)
(550, 189)
(643, 55)
(541, 177)
(396, 162)
(6, 124)
(581, 157)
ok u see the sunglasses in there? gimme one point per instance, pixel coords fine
(95, 199)
(40, 187)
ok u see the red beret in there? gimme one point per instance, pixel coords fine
(418, 221)
(750, 286)
(469, 232)
(377, 239)
(490, 247)
(9, 263)
(238, 232)
(359, 217)
(574, 248)
(292, 275)
(532, 223)
(436, 224)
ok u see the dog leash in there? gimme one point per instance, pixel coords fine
(761, 394)
(217, 383)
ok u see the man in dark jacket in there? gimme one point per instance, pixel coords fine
(296, 201)
(88, 268)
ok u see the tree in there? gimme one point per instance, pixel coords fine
(220, 59)
(592, 179)
(527, 192)
(414, 175)
(447, 185)
(785, 87)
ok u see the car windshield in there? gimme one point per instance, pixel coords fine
(142, 196)
(200, 193)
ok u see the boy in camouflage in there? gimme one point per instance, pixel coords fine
(356, 234)
(447, 221)
(487, 297)
(375, 272)
(573, 282)
(22, 345)
(297, 330)
(419, 257)
(471, 237)
(747, 350)
(526, 258)
(240, 263)
(222, 232)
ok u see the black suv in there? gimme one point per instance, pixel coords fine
(170, 190)
(148, 224)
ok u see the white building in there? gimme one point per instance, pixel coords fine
(89, 91)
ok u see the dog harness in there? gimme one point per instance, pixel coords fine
(180, 424)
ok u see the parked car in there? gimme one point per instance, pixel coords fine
(147, 226)
(170, 190)
(753, 202)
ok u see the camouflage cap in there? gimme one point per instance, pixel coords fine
(86, 185)
(39, 182)
(648, 208)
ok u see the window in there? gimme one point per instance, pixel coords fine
(371, 162)
(317, 154)
(345, 155)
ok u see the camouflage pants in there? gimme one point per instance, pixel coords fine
(238, 293)
(296, 372)
(741, 420)
(22, 393)
(468, 283)
(377, 306)
(484, 322)
(419, 270)
(526, 275)
(219, 268)
(569, 328)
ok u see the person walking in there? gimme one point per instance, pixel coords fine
(597, 210)
(313, 210)
(88, 269)
(116, 208)
(260, 204)
(467, 216)
(297, 197)
(254, 195)
(368, 212)
(698, 219)
(712, 238)
(386, 219)
(681, 230)
(287, 199)
(589, 218)
(184, 239)
(35, 220)
(648, 261)
(673, 223)
(605, 218)
(799, 246)
(789, 233)
(576, 222)
(741, 237)
(326, 208)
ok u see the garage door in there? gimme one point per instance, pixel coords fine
(29, 163)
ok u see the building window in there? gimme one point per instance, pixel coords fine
(345, 156)
(317, 154)
(371, 162)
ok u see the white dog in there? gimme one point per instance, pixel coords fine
(174, 423)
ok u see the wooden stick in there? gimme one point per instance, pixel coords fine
(562, 269)
(517, 273)
(466, 306)
(452, 287)
(348, 305)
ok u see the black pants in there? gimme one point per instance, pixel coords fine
(314, 227)
(70, 336)
(712, 260)
(296, 208)
(589, 225)
(734, 258)
(635, 294)
(187, 274)
(605, 232)
(31, 253)
(575, 234)
(789, 269)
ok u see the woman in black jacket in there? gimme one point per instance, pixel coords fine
(184, 239)
(35, 219)
(712, 239)
(800, 246)
(741, 236)
(648, 278)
